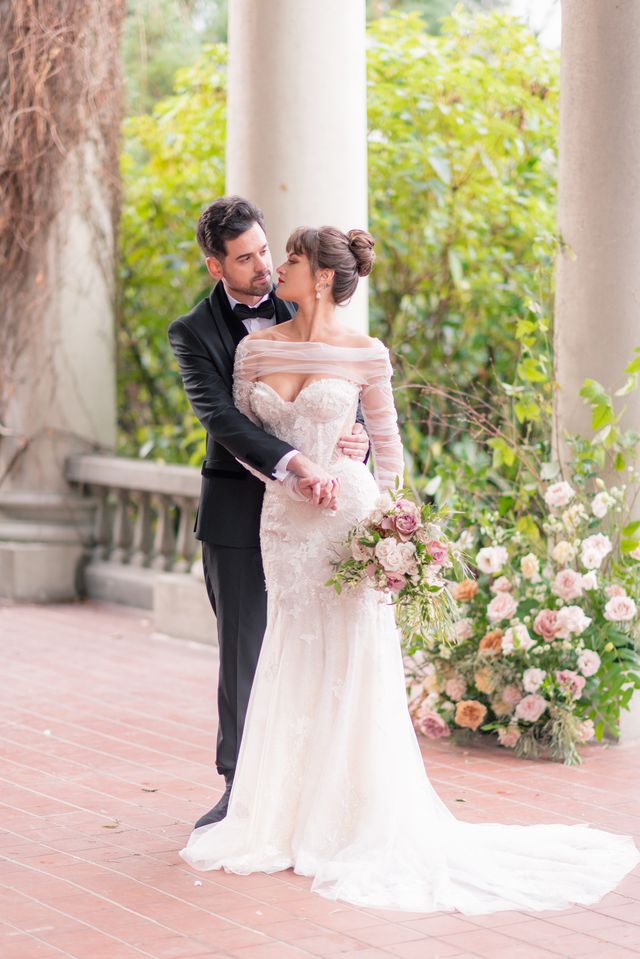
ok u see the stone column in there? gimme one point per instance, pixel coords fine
(296, 127)
(598, 274)
(597, 314)
(57, 303)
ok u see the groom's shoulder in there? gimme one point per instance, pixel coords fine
(191, 320)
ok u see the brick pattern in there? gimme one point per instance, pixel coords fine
(107, 733)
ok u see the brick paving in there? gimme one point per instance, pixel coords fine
(106, 740)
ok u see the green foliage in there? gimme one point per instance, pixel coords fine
(162, 36)
(462, 168)
(172, 166)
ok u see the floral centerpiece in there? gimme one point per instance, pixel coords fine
(401, 550)
(545, 644)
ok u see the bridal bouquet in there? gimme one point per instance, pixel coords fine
(401, 550)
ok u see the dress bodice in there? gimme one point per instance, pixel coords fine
(325, 407)
(313, 422)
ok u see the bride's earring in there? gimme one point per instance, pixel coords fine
(317, 293)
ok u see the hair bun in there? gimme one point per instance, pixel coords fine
(361, 245)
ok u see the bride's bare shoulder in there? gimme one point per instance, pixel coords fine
(360, 341)
(277, 332)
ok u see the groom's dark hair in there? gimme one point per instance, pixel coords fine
(225, 219)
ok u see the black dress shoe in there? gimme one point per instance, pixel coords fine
(219, 811)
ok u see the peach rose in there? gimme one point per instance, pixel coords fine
(501, 708)
(470, 713)
(491, 643)
(484, 681)
(511, 695)
(465, 590)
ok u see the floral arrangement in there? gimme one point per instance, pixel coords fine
(401, 550)
(544, 652)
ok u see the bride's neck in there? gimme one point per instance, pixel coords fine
(315, 320)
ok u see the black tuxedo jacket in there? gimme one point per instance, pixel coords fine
(204, 342)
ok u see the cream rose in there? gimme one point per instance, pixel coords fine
(563, 552)
(558, 495)
(600, 504)
(571, 619)
(532, 679)
(529, 566)
(491, 559)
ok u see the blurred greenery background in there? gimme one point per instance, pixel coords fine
(462, 109)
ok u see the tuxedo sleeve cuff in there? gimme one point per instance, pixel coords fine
(282, 466)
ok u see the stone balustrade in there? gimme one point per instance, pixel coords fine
(142, 549)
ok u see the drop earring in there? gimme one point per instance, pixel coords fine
(317, 294)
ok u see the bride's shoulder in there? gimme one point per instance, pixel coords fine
(362, 341)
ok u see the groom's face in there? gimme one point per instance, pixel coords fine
(247, 268)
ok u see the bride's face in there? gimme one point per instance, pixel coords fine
(295, 279)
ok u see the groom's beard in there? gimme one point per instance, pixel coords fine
(260, 285)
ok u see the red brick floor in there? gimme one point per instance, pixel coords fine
(106, 738)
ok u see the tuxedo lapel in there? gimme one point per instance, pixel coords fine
(219, 305)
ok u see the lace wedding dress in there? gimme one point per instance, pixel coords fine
(330, 779)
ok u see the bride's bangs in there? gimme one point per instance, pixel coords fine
(304, 242)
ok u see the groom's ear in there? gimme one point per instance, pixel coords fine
(214, 267)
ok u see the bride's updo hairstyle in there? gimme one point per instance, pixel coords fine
(350, 255)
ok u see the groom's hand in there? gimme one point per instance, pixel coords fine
(356, 444)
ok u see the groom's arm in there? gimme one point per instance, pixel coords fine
(213, 405)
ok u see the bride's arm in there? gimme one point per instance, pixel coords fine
(381, 421)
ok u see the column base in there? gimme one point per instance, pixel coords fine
(40, 572)
(181, 608)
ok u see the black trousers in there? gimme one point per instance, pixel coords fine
(235, 585)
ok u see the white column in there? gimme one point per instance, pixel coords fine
(598, 274)
(597, 315)
(296, 127)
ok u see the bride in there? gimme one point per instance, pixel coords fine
(330, 779)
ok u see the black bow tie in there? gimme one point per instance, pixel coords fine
(266, 309)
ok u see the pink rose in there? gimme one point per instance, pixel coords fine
(531, 707)
(516, 637)
(511, 695)
(395, 582)
(463, 629)
(620, 609)
(545, 624)
(430, 724)
(502, 606)
(568, 584)
(455, 688)
(570, 682)
(438, 551)
(406, 525)
(588, 662)
(501, 585)
(508, 736)
(615, 590)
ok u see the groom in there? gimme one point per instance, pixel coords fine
(232, 238)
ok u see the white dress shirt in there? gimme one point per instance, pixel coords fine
(262, 323)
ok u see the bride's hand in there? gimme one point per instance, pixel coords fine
(322, 493)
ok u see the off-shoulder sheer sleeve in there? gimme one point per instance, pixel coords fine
(367, 366)
(381, 422)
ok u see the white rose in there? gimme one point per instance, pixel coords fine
(532, 679)
(589, 581)
(571, 619)
(588, 662)
(594, 549)
(529, 566)
(390, 556)
(558, 495)
(563, 552)
(491, 559)
(600, 504)
(516, 637)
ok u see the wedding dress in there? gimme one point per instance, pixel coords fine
(330, 779)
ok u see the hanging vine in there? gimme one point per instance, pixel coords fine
(59, 84)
